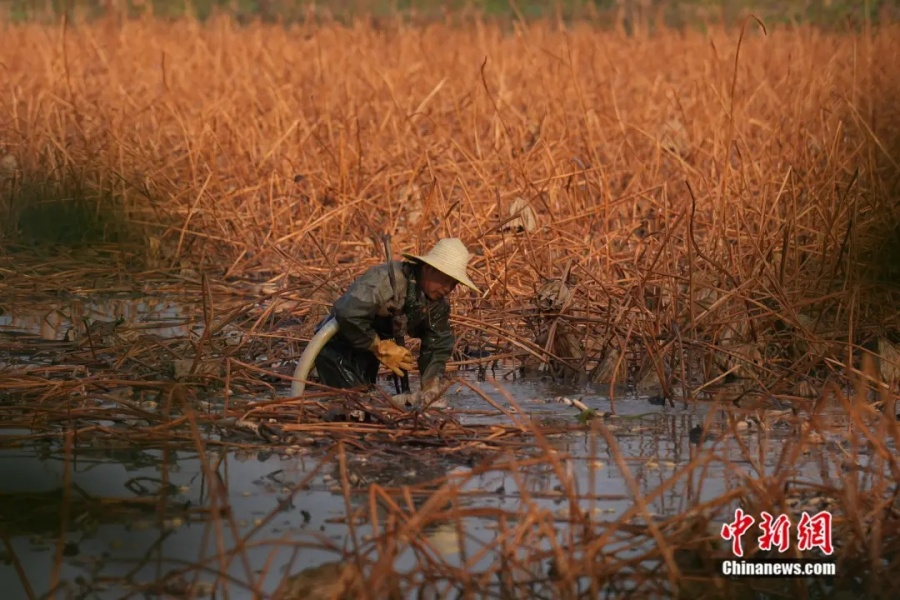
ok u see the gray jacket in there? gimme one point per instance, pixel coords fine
(364, 312)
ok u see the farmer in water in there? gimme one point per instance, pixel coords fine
(366, 329)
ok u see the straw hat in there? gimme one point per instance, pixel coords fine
(450, 257)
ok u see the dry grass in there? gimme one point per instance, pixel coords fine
(722, 196)
(261, 151)
(571, 552)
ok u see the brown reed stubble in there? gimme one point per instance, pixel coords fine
(604, 555)
(202, 129)
(178, 102)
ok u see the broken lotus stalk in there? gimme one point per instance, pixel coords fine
(305, 364)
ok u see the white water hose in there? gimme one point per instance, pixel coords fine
(304, 366)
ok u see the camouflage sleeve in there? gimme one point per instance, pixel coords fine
(356, 310)
(437, 343)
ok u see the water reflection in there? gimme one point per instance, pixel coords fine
(165, 317)
(142, 519)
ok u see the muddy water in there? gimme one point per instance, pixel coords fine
(117, 552)
(163, 316)
(121, 541)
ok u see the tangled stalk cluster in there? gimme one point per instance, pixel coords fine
(724, 216)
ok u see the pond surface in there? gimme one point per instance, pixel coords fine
(161, 316)
(290, 521)
(143, 522)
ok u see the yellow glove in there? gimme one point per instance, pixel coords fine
(393, 356)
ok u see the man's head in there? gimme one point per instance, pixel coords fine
(443, 267)
(435, 284)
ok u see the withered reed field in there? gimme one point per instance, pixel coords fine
(676, 211)
(755, 175)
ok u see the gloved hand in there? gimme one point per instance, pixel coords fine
(392, 356)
